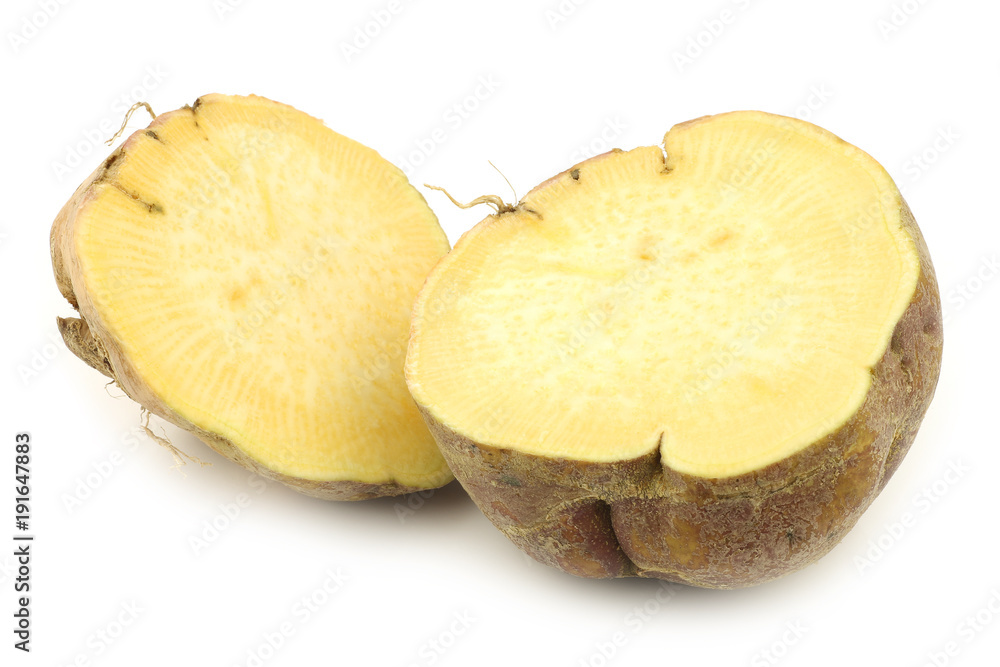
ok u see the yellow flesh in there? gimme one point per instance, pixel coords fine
(266, 298)
(730, 302)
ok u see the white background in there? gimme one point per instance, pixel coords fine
(562, 86)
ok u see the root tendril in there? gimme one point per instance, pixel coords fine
(128, 115)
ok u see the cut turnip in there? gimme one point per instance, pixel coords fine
(246, 273)
(701, 367)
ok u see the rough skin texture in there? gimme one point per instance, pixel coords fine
(88, 339)
(641, 518)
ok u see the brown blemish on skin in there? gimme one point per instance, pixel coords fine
(577, 537)
(862, 440)
(76, 334)
(502, 510)
(682, 541)
(896, 345)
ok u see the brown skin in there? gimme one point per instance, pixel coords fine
(641, 518)
(89, 339)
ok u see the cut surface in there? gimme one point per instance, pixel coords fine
(258, 270)
(725, 304)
